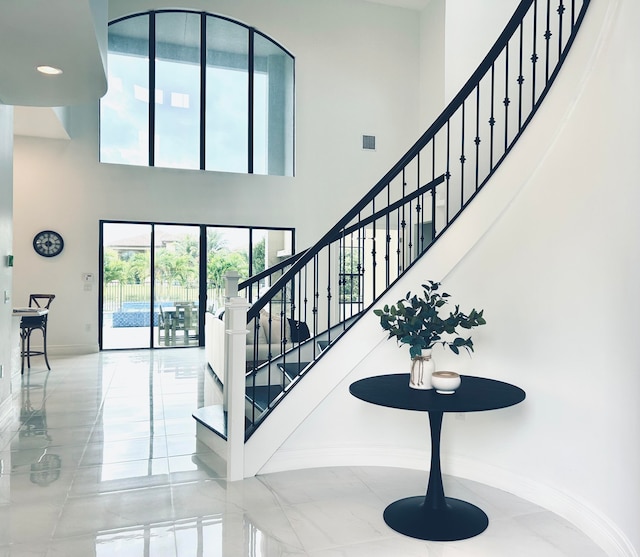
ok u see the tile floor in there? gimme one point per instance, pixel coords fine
(102, 461)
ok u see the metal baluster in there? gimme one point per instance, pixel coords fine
(417, 226)
(329, 296)
(346, 272)
(361, 255)
(463, 159)
(256, 327)
(269, 355)
(448, 173)
(316, 294)
(353, 249)
(477, 139)
(492, 120)
(402, 228)
(433, 177)
(412, 239)
(357, 265)
(547, 37)
(299, 317)
(283, 339)
(398, 258)
(342, 276)
(420, 210)
(373, 252)
(387, 244)
(534, 54)
(520, 78)
(561, 10)
(506, 101)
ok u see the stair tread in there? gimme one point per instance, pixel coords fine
(213, 417)
(263, 395)
(292, 369)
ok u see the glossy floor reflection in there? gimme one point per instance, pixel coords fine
(102, 461)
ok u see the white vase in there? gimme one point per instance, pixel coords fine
(421, 369)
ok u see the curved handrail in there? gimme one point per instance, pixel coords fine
(253, 279)
(379, 214)
(466, 90)
(384, 234)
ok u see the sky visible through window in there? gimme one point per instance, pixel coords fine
(223, 95)
(124, 116)
(124, 113)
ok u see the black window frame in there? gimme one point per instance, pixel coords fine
(252, 32)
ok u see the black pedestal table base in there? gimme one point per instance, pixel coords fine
(459, 520)
(434, 516)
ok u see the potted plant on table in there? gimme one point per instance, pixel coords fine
(416, 321)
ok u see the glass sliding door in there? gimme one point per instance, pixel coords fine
(227, 248)
(269, 248)
(150, 285)
(158, 279)
(126, 285)
(176, 285)
(247, 250)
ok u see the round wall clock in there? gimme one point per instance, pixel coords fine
(48, 243)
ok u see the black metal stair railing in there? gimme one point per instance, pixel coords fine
(315, 296)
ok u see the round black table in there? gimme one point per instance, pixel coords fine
(434, 516)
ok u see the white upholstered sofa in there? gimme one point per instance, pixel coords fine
(270, 340)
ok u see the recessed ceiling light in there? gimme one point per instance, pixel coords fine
(49, 70)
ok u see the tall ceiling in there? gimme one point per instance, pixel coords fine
(70, 35)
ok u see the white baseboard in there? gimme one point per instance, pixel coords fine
(72, 349)
(284, 460)
(67, 349)
(587, 519)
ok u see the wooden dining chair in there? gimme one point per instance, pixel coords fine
(166, 328)
(186, 318)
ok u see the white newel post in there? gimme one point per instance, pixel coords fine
(235, 315)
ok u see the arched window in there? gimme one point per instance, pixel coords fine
(223, 95)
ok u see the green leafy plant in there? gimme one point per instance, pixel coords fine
(416, 321)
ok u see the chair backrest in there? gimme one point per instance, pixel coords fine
(41, 300)
(184, 314)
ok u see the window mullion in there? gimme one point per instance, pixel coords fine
(177, 127)
(203, 89)
(152, 87)
(250, 104)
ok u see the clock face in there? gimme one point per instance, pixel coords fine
(48, 243)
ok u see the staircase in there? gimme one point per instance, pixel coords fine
(330, 286)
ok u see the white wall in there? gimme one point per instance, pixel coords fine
(355, 74)
(432, 61)
(8, 327)
(555, 267)
(471, 30)
(557, 274)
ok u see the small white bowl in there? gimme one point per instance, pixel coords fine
(445, 382)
